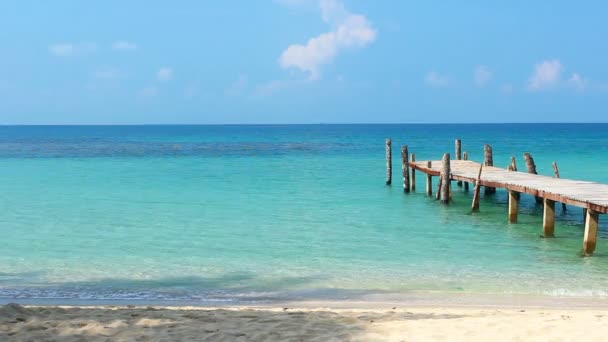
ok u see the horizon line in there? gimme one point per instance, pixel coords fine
(307, 124)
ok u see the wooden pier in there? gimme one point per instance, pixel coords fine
(591, 196)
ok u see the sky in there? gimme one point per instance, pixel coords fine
(302, 61)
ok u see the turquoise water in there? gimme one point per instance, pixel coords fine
(206, 214)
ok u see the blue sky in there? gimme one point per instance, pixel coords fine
(302, 61)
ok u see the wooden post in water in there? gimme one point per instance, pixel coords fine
(438, 193)
(413, 175)
(458, 148)
(548, 217)
(488, 161)
(556, 172)
(406, 169)
(389, 162)
(475, 205)
(591, 224)
(445, 178)
(532, 169)
(465, 156)
(444, 188)
(513, 164)
(513, 205)
(513, 167)
(429, 181)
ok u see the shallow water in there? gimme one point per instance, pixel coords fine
(207, 214)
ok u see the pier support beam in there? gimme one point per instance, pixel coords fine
(445, 178)
(548, 218)
(389, 162)
(413, 174)
(475, 204)
(465, 156)
(513, 206)
(488, 161)
(591, 224)
(405, 166)
(429, 181)
(458, 148)
(532, 169)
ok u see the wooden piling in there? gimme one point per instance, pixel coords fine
(488, 161)
(429, 181)
(514, 196)
(475, 204)
(413, 174)
(590, 238)
(513, 164)
(445, 178)
(513, 206)
(389, 162)
(556, 172)
(465, 156)
(405, 166)
(513, 168)
(458, 150)
(439, 184)
(548, 218)
(532, 169)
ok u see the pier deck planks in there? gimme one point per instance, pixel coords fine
(589, 195)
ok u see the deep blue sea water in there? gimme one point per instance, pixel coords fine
(207, 214)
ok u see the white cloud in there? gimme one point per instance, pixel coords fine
(349, 30)
(123, 45)
(578, 82)
(149, 91)
(435, 79)
(546, 75)
(164, 74)
(482, 75)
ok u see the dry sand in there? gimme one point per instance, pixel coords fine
(18, 323)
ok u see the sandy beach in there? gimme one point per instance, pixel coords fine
(130, 323)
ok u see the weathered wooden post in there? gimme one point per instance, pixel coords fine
(513, 205)
(465, 156)
(439, 184)
(389, 162)
(458, 148)
(532, 169)
(413, 175)
(475, 204)
(548, 218)
(513, 196)
(556, 172)
(406, 169)
(445, 178)
(429, 181)
(590, 231)
(513, 167)
(488, 161)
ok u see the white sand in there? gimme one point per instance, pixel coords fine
(19, 323)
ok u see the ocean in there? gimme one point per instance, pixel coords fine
(208, 214)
